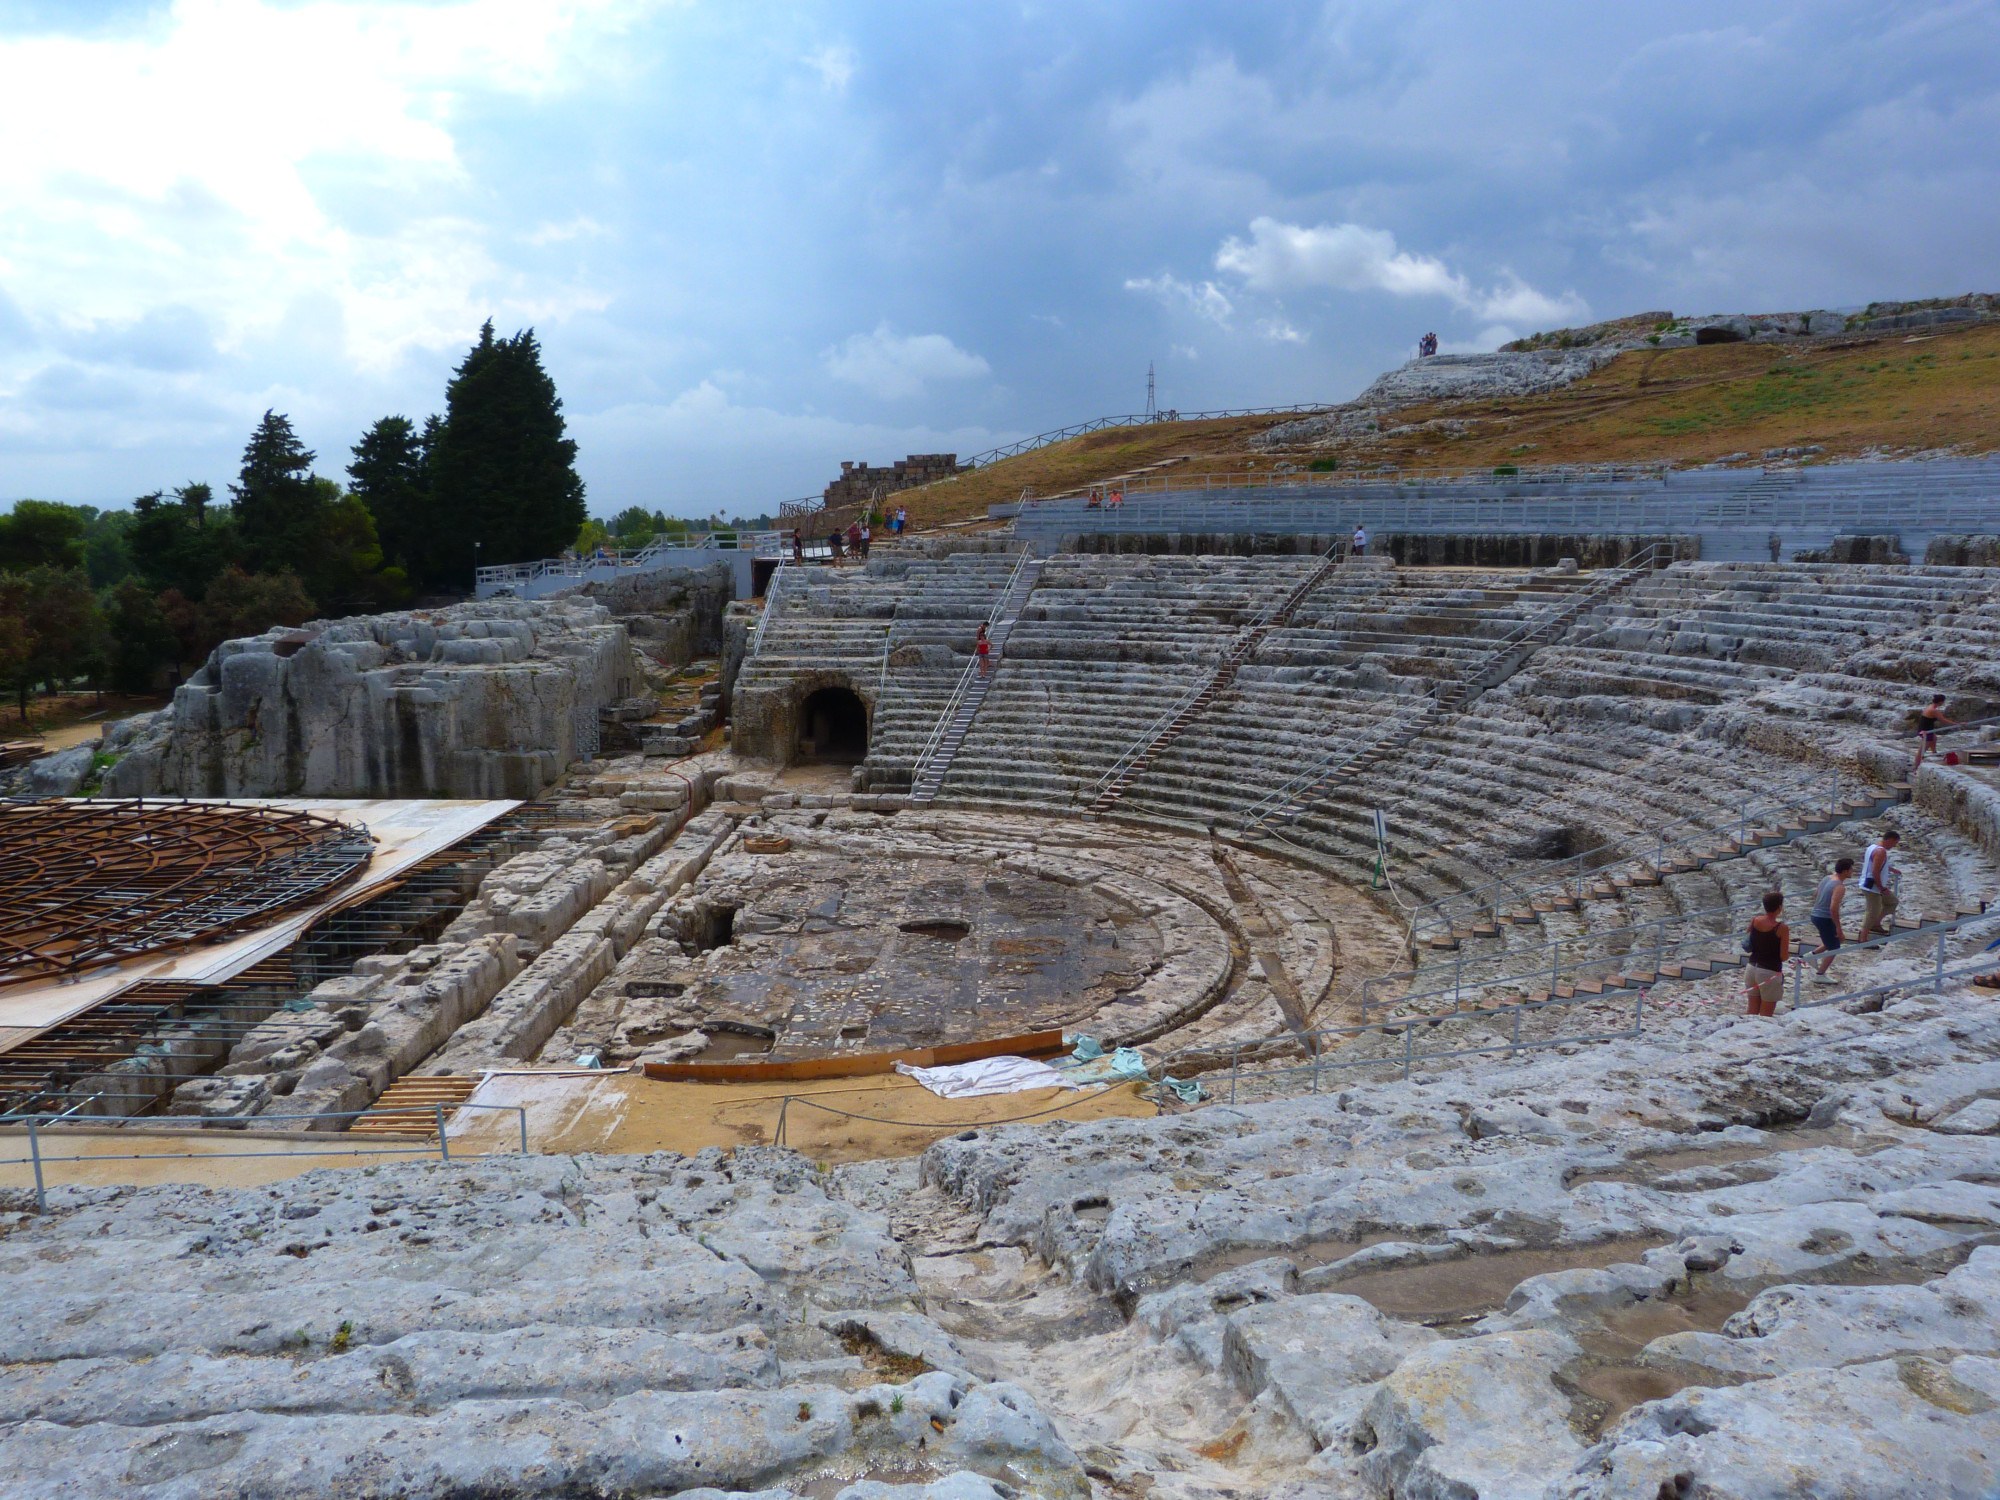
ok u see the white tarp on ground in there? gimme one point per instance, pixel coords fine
(989, 1075)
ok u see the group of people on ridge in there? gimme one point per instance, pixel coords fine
(858, 536)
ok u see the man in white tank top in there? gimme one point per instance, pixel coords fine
(1878, 885)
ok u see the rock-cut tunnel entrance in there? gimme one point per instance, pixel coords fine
(833, 727)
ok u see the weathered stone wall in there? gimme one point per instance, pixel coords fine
(672, 615)
(477, 700)
(766, 722)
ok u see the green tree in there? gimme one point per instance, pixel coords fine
(634, 526)
(43, 534)
(181, 543)
(141, 640)
(388, 477)
(108, 548)
(54, 615)
(502, 472)
(278, 505)
(240, 604)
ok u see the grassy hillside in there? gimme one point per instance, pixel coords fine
(1891, 393)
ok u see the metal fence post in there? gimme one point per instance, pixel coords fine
(1409, 1039)
(1798, 981)
(1516, 1047)
(444, 1146)
(1235, 1064)
(524, 1130)
(1937, 984)
(784, 1104)
(35, 1152)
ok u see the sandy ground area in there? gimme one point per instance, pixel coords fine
(625, 1112)
(615, 1113)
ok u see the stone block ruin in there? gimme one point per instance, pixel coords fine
(1491, 1188)
(861, 481)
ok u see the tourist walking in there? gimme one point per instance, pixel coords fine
(984, 648)
(902, 519)
(798, 547)
(867, 535)
(833, 544)
(854, 539)
(1360, 541)
(1878, 885)
(1929, 722)
(1826, 916)
(1769, 944)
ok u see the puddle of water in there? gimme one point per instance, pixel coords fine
(828, 1485)
(1453, 1291)
(1647, 1169)
(1305, 1257)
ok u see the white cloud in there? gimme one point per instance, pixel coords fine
(1205, 300)
(177, 162)
(1356, 258)
(835, 66)
(1278, 331)
(892, 366)
(1347, 257)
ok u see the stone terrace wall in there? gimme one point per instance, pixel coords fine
(475, 700)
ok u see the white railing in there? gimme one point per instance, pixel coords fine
(780, 576)
(760, 543)
(1809, 791)
(1496, 661)
(967, 677)
(1245, 642)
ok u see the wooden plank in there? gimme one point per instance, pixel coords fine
(858, 1065)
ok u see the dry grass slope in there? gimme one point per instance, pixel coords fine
(1893, 393)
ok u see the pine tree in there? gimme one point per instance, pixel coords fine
(277, 504)
(502, 473)
(388, 477)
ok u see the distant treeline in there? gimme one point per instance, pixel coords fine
(134, 598)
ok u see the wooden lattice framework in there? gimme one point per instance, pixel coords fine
(87, 883)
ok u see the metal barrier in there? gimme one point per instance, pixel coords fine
(36, 1123)
(1553, 971)
(1506, 655)
(1751, 812)
(1409, 1058)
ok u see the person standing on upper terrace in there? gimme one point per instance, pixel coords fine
(1929, 722)
(1878, 885)
(1361, 541)
(984, 648)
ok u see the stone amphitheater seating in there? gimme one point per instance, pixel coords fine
(1701, 688)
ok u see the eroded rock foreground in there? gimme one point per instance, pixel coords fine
(1749, 1260)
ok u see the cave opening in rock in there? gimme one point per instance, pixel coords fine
(833, 727)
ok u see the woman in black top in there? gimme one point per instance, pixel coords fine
(1769, 945)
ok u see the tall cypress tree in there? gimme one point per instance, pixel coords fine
(388, 477)
(502, 473)
(277, 504)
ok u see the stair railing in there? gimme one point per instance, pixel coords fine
(773, 588)
(1552, 969)
(1240, 649)
(1434, 699)
(963, 688)
(1809, 791)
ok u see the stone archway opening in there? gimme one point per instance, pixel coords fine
(833, 727)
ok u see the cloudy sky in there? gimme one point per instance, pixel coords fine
(756, 239)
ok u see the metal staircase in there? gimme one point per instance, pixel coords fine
(1508, 656)
(1198, 699)
(953, 724)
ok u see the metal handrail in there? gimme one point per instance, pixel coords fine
(1556, 967)
(1561, 615)
(1244, 645)
(968, 676)
(1525, 886)
(780, 575)
(38, 1121)
(1320, 1062)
